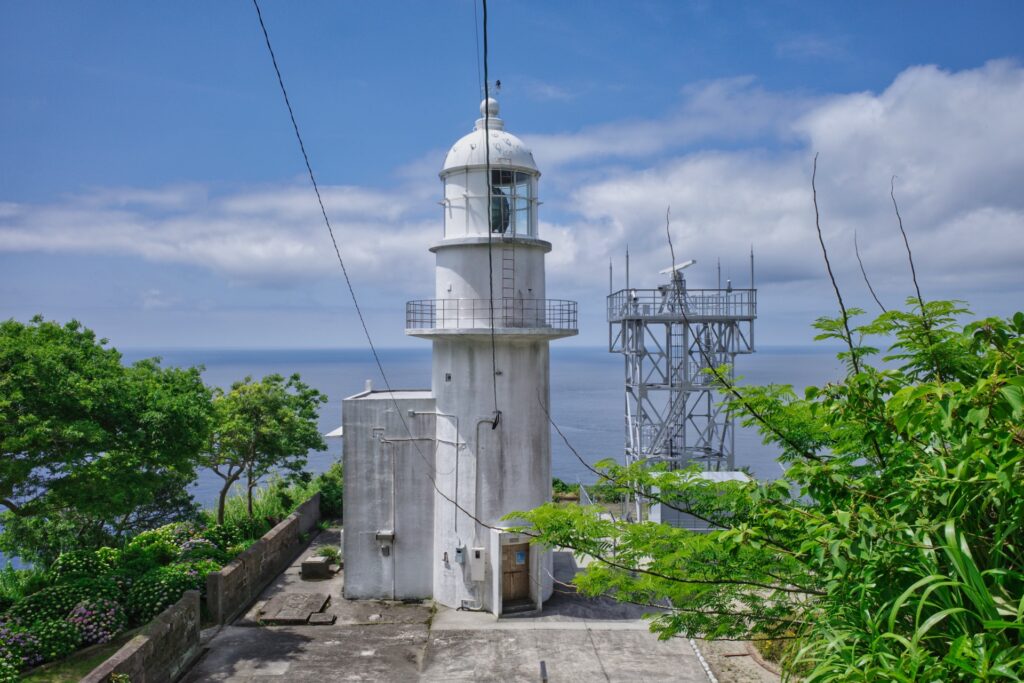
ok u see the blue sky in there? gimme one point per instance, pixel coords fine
(150, 183)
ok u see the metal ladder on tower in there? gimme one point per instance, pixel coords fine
(508, 284)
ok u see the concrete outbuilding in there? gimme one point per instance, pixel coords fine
(429, 475)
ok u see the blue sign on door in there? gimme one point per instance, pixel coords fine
(520, 557)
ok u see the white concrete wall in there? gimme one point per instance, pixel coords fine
(387, 486)
(462, 270)
(498, 470)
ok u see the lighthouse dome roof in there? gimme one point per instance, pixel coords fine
(507, 150)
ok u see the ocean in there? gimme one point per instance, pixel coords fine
(587, 398)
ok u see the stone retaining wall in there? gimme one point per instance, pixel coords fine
(233, 588)
(168, 645)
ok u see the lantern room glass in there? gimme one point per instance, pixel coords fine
(511, 203)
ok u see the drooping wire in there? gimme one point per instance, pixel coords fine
(490, 219)
(476, 32)
(351, 290)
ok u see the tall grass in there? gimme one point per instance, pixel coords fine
(910, 639)
(17, 583)
(278, 498)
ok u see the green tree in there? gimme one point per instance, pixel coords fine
(892, 547)
(84, 436)
(260, 427)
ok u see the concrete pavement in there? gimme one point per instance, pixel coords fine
(577, 639)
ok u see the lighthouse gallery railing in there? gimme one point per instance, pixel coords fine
(557, 314)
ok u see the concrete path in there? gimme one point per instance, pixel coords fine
(577, 639)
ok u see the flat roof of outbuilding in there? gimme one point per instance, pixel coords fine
(397, 394)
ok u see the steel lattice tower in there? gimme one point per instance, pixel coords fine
(670, 336)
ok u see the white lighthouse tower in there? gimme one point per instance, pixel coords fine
(481, 434)
(490, 324)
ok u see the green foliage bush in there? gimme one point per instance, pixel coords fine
(55, 602)
(223, 535)
(77, 564)
(17, 583)
(891, 547)
(605, 491)
(98, 621)
(561, 487)
(154, 548)
(19, 647)
(163, 586)
(268, 508)
(8, 670)
(162, 543)
(237, 549)
(330, 552)
(331, 485)
(200, 548)
(57, 638)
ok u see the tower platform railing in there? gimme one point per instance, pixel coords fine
(462, 314)
(692, 304)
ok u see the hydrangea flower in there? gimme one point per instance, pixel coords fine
(98, 620)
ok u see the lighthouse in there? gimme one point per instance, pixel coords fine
(431, 475)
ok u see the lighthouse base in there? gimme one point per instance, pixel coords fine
(391, 444)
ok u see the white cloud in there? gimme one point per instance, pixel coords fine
(544, 91)
(271, 236)
(732, 109)
(733, 161)
(951, 138)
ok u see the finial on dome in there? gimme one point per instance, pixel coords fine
(489, 108)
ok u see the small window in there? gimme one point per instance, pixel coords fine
(511, 199)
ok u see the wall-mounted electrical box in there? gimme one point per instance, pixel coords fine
(385, 537)
(460, 554)
(477, 558)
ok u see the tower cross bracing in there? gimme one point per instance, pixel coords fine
(670, 336)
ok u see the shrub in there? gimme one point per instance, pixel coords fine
(76, 564)
(8, 671)
(109, 558)
(559, 486)
(55, 602)
(606, 492)
(154, 548)
(98, 621)
(17, 583)
(332, 489)
(330, 552)
(200, 548)
(57, 638)
(222, 535)
(159, 545)
(18, 648)
(267, 509)
(163, 586)
(233, 531)
(239, 548)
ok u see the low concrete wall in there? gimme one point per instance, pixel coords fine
(233, 588)
(167, 646)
